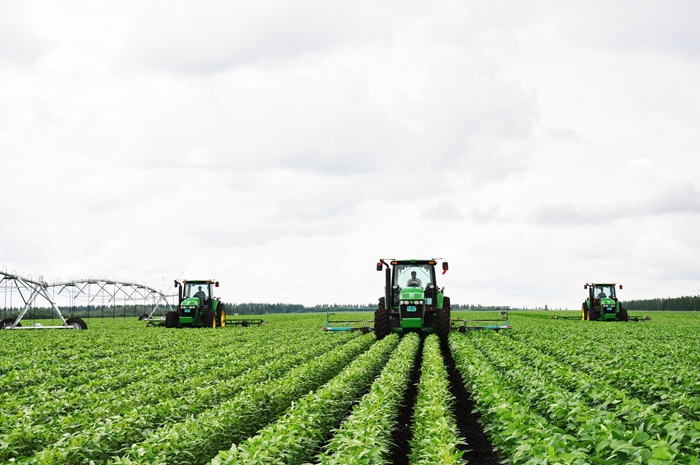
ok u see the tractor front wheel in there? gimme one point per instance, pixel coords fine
(442, 320)
(208, 320)
(381, 321)
(624, 316)
(172, 320)
(594, 314)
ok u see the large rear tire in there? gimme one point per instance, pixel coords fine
(76, 322)
(624, 316)
(442, 319)
(584, 311)
(381, 320)
(595, 314)
(208, 319)
(220, 315)
(172, 320)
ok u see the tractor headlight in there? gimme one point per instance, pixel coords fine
(403, 302)
(416, 302)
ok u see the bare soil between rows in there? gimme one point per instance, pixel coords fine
(478, 448)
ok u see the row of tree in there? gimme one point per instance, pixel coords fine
(689, 303)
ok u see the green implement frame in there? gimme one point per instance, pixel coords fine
(335, 326)
(494, 324)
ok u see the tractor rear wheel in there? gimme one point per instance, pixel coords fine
(624, 316)
(172, 320)
(381, 320)
(584, 311)
(442, 320)
(208, 319)
(594, 313)
(220, 315)
(76, 322)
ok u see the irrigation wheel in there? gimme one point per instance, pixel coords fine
(381, 320)
(76, 322)
(143, 317)
(208, 319)
(8, 322)
(172, 320)
(442, 320)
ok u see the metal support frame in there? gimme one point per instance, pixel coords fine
(29, 289)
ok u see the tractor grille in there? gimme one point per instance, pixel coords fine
(412, 310)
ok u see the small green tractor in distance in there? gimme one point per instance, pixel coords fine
(602, 304)
(197, 307)
(412, 301)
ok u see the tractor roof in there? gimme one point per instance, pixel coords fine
(198, 281)
(416, 261)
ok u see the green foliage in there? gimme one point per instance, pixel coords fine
(364, 438)
(435, 437)
(298, 434)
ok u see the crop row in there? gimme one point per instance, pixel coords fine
(301, 431)
(199, 438)
(435, 436)
(365, 436)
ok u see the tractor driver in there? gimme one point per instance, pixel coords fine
(601, 295)
(413, 281)
(200, 294)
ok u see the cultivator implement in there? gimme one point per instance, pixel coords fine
(245, 322)
(335, 326)
(494, 324)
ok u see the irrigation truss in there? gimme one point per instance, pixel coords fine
(19, 295)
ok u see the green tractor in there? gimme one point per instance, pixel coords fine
(412, 301)
(197, 307)
(602, 303)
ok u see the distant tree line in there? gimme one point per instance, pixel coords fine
(681, 304)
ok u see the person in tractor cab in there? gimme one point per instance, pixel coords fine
(414, 281)
(601, 295)
(200, 294)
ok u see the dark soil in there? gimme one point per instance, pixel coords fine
(402, 433)
(478, 449)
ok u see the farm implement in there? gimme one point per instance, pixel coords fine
(413, 302)
(335, 326)
(602, 304)
(494, 324)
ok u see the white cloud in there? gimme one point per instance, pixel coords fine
(283, 147)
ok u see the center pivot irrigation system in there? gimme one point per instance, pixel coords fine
(19, 294)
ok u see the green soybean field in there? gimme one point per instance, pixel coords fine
(549, 391)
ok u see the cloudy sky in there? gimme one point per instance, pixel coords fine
(282, 147)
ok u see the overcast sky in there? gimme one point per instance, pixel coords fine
(282, 147)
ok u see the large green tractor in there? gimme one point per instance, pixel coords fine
(412, 301)
(602, 303)
(197, 306)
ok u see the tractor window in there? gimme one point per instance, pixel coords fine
(413, 275)
(197, 290)
(600, 292)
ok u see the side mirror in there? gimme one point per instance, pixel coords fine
(379, 266)
(445, 267)
(216, 283)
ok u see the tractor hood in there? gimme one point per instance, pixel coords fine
(191, 302)
(411, 293)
